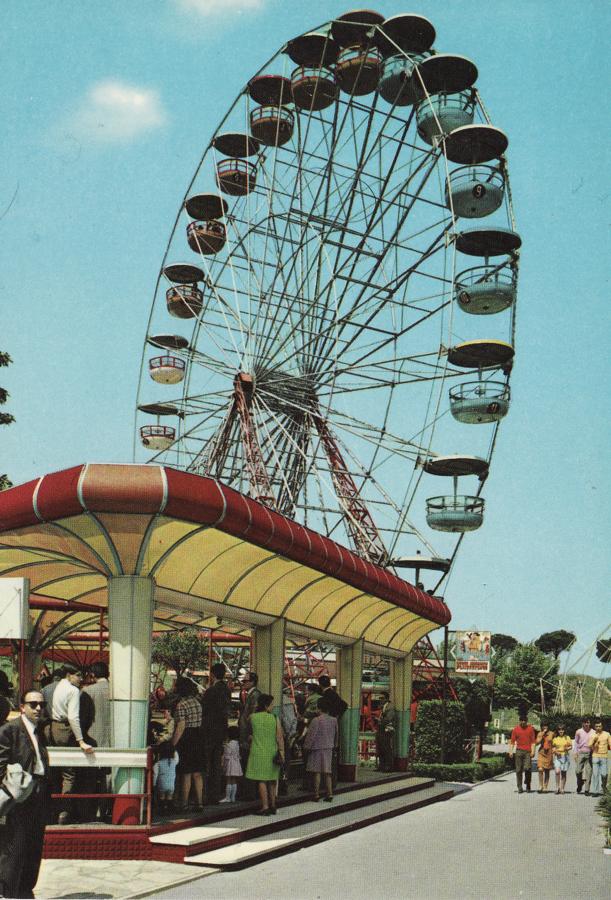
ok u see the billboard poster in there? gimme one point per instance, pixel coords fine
(472, 652)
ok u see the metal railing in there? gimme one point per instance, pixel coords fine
(104, 758)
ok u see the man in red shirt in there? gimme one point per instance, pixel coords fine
(523, 740)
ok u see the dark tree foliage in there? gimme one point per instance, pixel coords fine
(573, 721)
(503, 643)
(180, 650)
(427, 732)
(603, 651)
(476, 697)
(555, 642)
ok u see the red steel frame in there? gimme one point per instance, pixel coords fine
(361, 527)
(259, 479)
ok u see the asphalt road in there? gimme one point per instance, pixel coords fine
(488, 842)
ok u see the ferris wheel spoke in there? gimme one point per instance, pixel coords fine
(386, 499)
(297, 255)
(349, 316)
(278, 459)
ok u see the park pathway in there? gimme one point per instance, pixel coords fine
(487, 842)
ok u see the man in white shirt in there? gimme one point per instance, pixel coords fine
(21, 850)
(64, 729)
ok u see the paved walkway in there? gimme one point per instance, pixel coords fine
(489, 842)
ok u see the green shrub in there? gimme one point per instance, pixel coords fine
(604, 808)
(427, 733)
(487, 767)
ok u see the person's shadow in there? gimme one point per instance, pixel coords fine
(84, 895)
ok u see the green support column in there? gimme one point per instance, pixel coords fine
(401, 698)
(130, 621)
(349, 686)
(268, 659)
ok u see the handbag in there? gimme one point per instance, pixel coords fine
(16, 787)
(278, 759)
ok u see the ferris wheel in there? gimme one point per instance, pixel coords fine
(336, 304)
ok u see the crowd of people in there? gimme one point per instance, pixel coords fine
(201, 759)
(553, 749)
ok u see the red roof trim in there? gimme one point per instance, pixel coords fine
(195, 498)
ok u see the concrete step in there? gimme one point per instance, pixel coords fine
(213, 835)
(257, 848)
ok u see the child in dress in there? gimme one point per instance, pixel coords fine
(231, 764)
(164, 774)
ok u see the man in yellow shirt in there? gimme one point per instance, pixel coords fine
(600, 744)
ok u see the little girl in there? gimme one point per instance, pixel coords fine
(231, 764)
(164, 773)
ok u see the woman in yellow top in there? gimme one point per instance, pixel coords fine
(561, 746)
(545, 757)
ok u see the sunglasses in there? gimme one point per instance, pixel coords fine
(36, 704)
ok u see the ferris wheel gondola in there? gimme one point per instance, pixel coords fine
(321, 338)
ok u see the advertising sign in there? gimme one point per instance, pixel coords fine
(472, 652)
(14, 614)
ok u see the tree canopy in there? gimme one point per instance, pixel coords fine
(503, 643)
(555, 642)
(519, 677)
(180, 650)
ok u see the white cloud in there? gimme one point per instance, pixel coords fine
(211, 8)
(115, 112)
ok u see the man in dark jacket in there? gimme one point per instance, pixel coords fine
(248, 704)
(337, 706)
(21, 851)
(216, 703)
(385, 735)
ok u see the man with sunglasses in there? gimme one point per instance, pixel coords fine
(21, 851)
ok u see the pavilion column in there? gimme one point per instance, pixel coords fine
(268, 659)
(30, 671)
(401, 698)
(130, 620)
(349, 669)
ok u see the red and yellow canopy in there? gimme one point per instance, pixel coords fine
(212, 552)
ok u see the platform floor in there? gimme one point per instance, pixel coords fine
(485, 842)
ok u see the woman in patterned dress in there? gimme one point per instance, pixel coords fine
(187, 739)
(545, 757)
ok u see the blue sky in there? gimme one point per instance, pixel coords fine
(107, 109)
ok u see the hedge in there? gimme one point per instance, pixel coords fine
(604, 808)
(427, 731)
(487, 767)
